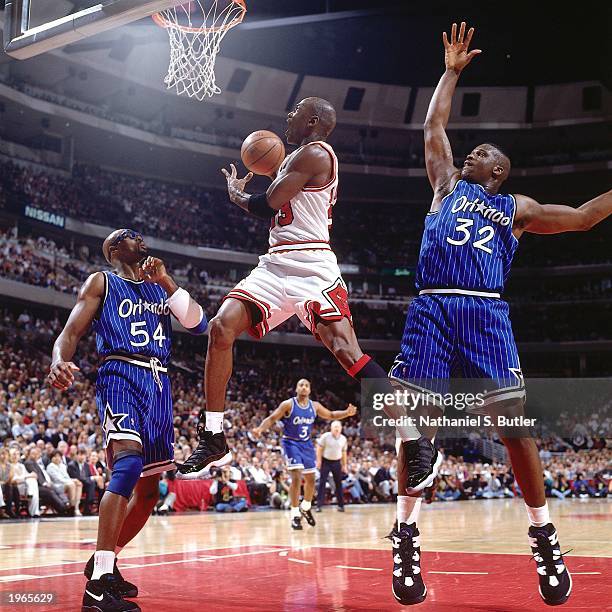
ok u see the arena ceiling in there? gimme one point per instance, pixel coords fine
(399, 41)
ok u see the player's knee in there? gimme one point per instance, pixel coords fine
(127, 468)
(220, 334)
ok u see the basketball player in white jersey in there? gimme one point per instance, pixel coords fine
(298, 275)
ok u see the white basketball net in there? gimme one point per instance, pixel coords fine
(195, 35)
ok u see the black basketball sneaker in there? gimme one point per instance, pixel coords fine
(123, 587)
(212, 451)
(102, 596)
(555, 580)
(307, 514)
(296, 523)
(407, 583)
(422, 461)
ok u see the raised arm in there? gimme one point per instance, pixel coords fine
(536, 218)
(88, 302)
(441, 170)
(186, 310)
(282, 411)
(334, 415)
(311, 166)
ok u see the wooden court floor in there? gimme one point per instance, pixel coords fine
(475, 557)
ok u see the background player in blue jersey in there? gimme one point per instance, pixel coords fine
(297, 416)
(460, 321)
(129, 309)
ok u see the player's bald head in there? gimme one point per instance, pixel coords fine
(321, 108)
(108, 241)
(501, 158)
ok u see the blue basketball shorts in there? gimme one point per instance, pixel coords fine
(133, 405)
(459, 336)
(300, 455)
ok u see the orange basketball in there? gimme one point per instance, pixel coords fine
(262, 152)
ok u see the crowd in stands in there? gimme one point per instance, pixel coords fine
(189, 214)
(51, 455)
(42, 262)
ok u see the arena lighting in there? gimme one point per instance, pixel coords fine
(316, 18)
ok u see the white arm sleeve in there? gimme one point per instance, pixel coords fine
(187, 311)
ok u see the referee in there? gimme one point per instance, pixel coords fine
(331, 457)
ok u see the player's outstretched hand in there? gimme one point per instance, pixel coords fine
(351, 410)
(153, 270)
(235, 186)
(60, 375)
(256, 431)
(456, 54)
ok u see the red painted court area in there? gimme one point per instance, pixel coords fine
(276, 578)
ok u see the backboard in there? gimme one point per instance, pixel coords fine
(32, 27)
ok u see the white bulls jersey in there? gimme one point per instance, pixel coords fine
(304, 221)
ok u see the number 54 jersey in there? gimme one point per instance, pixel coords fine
(468, 244)
(134, 319)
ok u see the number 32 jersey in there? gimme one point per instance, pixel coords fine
(134, 318)
(468, 243)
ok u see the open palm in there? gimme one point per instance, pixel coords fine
(456, 54)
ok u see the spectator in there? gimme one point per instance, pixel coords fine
(353, 485)
(10, 492)
(58, 472)
(383, 483)
(27, 483)
(581, 487)
(365, 480)
(260, 485)
(447, 490)
(562, 488)
(5, 422)
(47, 493)
(80, 471)
(223, 490)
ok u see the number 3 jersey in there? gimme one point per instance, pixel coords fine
(468, 244)
(134, 318)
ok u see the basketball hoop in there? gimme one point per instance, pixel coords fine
(195, 33)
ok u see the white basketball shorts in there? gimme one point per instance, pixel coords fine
(307, 283)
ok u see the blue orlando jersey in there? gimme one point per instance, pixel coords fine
(468, 243)
(134, 318)
(298, 425)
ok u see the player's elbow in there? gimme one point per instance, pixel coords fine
(431, 125)
(585, 222)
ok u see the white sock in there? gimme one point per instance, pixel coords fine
(295, 511)
(104, 560)
(118, 549)
(214, 421)
(406, 433)
(305, 505)
(538, 517)
(408, 509)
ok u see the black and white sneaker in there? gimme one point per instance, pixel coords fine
(422, 461)
(407, 584)
(102, 596)
(123, 587)
(296, 523)
(212, 451)
(307, 514)
(555, 580)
